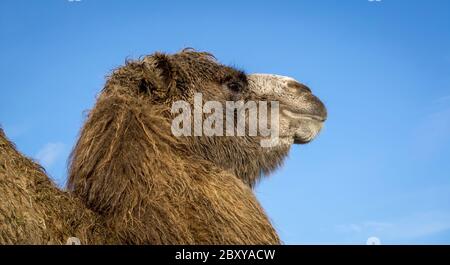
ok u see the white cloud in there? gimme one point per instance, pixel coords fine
(403, 229)
(364, 227)
(49, 154)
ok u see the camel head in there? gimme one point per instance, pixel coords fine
(301, 113)
(195, 90)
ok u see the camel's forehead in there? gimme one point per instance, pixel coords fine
(269, 83)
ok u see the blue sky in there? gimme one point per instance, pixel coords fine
(381, 165)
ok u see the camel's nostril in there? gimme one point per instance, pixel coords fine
(298, 87)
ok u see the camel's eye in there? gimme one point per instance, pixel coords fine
(235, 87)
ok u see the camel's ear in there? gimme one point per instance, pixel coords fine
(160, 81)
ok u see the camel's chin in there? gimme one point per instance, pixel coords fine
(307, 131)
(302, 127)
(285, 141)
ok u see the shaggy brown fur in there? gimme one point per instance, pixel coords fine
(154, 188)
(132, 182)
(34, 211)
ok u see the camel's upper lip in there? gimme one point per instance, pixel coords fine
(303, 115)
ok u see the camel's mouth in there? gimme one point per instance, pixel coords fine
(304, 116)
(303, 127)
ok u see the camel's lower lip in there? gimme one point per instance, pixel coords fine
(301, 141)
(310, 128)
(306, 116)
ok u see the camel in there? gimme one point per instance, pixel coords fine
(132, 181)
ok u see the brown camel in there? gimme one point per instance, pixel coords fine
(132, 181)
